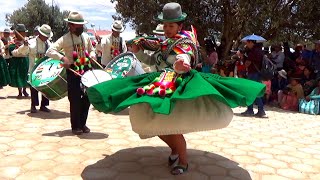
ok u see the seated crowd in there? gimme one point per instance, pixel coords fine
(295, 85)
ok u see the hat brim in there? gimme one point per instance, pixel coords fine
(75, 22)
(181, 18)
(117, 30)
(282, 75)
(158, 32)
(43, 34)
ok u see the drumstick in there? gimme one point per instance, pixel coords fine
(96, 62)
(75, 72)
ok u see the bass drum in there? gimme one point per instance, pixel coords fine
(49, 77)
(125, 64)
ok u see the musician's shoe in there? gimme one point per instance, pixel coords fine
(247, 113)
(77, 131)
(33, 109)
(19, 96)
(85, 129)
(44, 109)
(261, 114)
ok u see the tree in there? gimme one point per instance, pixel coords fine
(37, 12)
(276, 20)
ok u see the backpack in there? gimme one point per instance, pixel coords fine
(268, 68)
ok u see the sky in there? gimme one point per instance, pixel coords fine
(98, 12)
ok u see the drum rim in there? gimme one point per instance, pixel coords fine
(83, 76)
(46, 59)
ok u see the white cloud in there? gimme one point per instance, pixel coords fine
(98, 12)
(128, 34)
(97, 18)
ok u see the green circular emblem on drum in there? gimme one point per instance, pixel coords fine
(120, 67)
(46, 72)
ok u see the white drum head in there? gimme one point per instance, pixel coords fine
(93, 77)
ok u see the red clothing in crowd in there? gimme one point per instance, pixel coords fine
(255, 55)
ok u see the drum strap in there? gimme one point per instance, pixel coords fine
(46, 46)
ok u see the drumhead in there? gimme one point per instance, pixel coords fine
(45, 72)
(120, 66)
(93, 77)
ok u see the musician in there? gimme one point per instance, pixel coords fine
(4, 74)
(7, 40)
(38, 48)
(112, 45)
(75, 41)
(19, 62)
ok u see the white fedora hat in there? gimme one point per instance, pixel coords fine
(45, 30)
(75, 18)
(159, 30)
(117, 26)
(283, 73)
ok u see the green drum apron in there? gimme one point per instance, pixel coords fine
(49, 77)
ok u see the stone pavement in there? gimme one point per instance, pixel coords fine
(41, 146)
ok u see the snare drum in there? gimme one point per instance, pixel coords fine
(93, 77)
(125, 64)
(49, 77)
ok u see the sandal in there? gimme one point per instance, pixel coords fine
(173, 162)
(177, 170)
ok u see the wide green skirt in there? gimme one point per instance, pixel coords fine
(4, 73)
(203, 101)
(118, 94)
(18, 70)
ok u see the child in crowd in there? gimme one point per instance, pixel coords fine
(227, 68)
(240, 69)
(267, 94)
(278, 83)
(288, 98)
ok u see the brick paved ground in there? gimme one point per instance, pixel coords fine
(41, 146)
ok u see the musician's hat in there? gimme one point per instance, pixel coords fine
(6, 30)
(117, 26)
(159, 30)
(45, 30)
(21, 28)
(172, 12)
(75, 18)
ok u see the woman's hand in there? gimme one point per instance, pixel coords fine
(180, 66)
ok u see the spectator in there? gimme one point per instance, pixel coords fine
(253, 64)
(315, 94)
(297, 52)
(315, 59)
(308, 80)
(278, 83)
(288, 98)
(277, 56)
(240, 70)
(227, 68)
(267, 94)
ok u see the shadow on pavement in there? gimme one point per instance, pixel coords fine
(151, 163)
(269, 108)
(124, 112)
(15, 97)
(54, 114)
(91, 135)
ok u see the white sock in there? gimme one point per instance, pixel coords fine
(174, 156)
